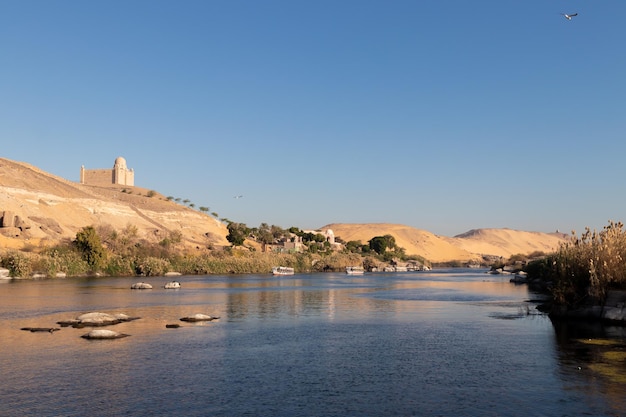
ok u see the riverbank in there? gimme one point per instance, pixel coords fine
(613, 311)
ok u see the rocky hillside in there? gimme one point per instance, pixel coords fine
(38, 209)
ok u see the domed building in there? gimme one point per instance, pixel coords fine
(119, 175)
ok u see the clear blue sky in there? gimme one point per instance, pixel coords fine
(445, 115)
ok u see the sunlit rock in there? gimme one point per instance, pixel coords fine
(96, 319)
(103, 334)
(199, 317)
(172, 285)
(141, 286)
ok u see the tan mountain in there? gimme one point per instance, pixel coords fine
(467, 247)
(38, 209)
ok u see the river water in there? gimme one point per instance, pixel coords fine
(438, 343)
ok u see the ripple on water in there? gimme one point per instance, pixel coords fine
(431, 294)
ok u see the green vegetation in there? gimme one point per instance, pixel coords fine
(584, 269)
(237, 233)
(90, 247)
(107, 251)
(110, 252)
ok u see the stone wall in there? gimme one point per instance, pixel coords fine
(96, 176)
(120, 175)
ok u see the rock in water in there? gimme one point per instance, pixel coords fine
(103, 334)
(41, 329)
(199, 317)
(141, 286)
(97, 319)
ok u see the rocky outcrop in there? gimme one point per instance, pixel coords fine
(47, 225)
(12, 225)
(8, 219)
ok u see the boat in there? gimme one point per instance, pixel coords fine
(354, 270)
(282, 270)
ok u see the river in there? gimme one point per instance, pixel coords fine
(439, 343)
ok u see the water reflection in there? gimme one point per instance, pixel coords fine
(596, 354)
(317, 344)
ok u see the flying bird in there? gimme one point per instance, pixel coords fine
(238, 196)
(569, 16)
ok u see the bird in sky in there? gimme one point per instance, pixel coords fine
(238, 196)
(569, 16)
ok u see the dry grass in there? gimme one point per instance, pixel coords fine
(587, 267)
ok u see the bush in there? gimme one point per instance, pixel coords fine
(120, 266)
(18, 264)
(90, 246)
(151, 266)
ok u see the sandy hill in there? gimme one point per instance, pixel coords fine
(41, 208)
(507, 242)
(469, 246)
(38, 208)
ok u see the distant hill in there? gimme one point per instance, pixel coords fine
(469, 246)
(38, 208)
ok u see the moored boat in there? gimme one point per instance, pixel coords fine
(282, 270)
(355, 270)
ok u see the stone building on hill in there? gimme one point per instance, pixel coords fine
(119, 175)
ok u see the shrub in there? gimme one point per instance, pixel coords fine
(151, 266)
(63, 259)
(120, 266)
(18, 264)
(90, 246)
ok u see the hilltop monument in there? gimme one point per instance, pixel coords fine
(119, 175)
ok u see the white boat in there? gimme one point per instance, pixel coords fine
(282, 270)
(354, 270)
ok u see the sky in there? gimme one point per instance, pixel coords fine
(443, 115)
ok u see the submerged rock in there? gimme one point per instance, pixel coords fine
(172, 326)
(103, 334)
(141, 286)
(41, 329)
(198, 317)
(97, 319)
